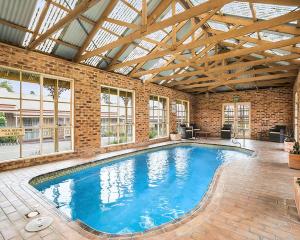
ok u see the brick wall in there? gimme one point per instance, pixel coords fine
(87, 83)
(268, 108)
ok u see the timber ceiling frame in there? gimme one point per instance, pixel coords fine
(193, 48)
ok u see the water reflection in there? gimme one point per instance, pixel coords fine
(181, 161)
(116, 181)
(61, 195)
(157, 164)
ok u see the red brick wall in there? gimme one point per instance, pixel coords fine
(87, 83)
(268, 108)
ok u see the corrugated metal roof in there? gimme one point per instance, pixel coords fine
(18, 12)
(26, 14)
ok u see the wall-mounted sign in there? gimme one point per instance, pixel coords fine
(7, 132)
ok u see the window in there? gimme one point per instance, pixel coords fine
(30, 107)
(117, 114)
(238, 116)
(182, 112)
(158, 117)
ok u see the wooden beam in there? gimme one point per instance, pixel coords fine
(217, 38)
(40, 21)
(243, 80)
(192, 12)
(144, 14)
(131, 6)
(236, 74)
(81, 8)
(246, 22)
(122, 23)
(222, 68)
(95, 29)
(151, 19)
(275, 2)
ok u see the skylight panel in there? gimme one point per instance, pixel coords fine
(278, 52)
(157, 36)
(114, 27)
(100, 39)
(178, 9)
(33, 22)
(124, 70)
(218, 26)
(70, 4)
(257, 55)
(283, 63)
(235, 8)
(123, 13)
(253, 35)
(147, 45)
(158, 63)
(197, 2)
(136, 3)
(136, 53)
(53, 15)
(274, 36)
(93, 61)
(269, 11)
(249, 45)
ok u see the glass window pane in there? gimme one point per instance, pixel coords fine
(64, 138)
(116, 116)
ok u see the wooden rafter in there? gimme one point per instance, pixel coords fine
(40, 21)
(223, 77)
(195, 87)
(150, 19)
(257, 26)
(81, 8)
(95, 29)
(192, 12)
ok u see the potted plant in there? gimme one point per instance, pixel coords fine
(175, 136)
(294, 157)
(297, 193)
(289, 141)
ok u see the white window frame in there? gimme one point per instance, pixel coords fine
(187, 113)
(133, 116)
(235, 117)
(41, 100)
(167, 120)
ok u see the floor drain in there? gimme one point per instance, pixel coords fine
(38, 224)
(32, 214)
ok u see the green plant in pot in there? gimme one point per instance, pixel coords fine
(294, 156)
(289, 141)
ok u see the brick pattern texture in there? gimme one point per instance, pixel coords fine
(268, 108)
(87, 85)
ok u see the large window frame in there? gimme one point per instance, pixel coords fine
(24, 124)
(117, 125)
(161, 119)
(238, 114)
(182, 115)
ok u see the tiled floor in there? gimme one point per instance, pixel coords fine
(253, 199)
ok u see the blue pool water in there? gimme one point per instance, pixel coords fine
(138, 192)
